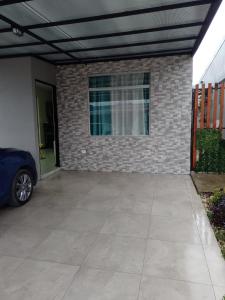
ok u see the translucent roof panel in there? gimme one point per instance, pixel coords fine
(83, 8)
(51, 33)
(21, 14)
(71, 45)
(53, 57)
(2, 24)
(8, 38)
(24, 50)
(31, 16)
(159, 19)
(134, 38)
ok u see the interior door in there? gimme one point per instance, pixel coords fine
(46, 127)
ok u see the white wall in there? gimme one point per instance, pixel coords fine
(18, 120)
(16, 106)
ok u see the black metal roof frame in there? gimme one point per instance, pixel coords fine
(214, 5)
(10, 2)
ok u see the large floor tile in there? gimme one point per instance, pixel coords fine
(8, 266)
(84, 220)
(60, 200)
(216, 265)
(93, 284)
(12, 215)
(139, 187)
(3, 228)
(46, 217)
(35, 280)
(161, 289)
(119, 181)
(70, 184)
(170, 194)
(174, 229)
(65, 247)
(40, 199)
(117, 253)
(99, 199)
(127, 224)
(134, 203)
(170, 184)
(103, 191)
(20, 241)
(176, 261)
(173, 208)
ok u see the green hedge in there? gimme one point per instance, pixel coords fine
(211, 151)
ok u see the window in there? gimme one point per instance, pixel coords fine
(119, 104)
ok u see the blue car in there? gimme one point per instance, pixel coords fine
(18, 176)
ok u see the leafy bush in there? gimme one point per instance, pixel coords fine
(218, 213)
(220, 234)
(215, 206)
(222, 247)
(211, 149)
(222, 157)
(216, 197)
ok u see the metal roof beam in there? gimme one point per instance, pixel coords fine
(212, 11)
(10, 2)
(7, 29)
(181, 51)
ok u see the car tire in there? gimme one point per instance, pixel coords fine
(22, 188)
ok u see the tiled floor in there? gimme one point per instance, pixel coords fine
(110, 236)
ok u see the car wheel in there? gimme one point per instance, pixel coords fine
(22, 188)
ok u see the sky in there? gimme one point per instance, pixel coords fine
(210, 44)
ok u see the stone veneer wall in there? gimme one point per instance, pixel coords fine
(165, 150)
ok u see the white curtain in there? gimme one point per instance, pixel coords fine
(128, 105)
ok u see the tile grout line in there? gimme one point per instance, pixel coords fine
(113, 271)
(146, 245)
(84, 260)
(80, 266)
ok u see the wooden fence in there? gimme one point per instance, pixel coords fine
(208, 111)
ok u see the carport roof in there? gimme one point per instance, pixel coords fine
(85, 31)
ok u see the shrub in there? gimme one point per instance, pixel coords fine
(223, 253)
(218, 213)
(216, 197)
(211, 149)
(215, 206)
